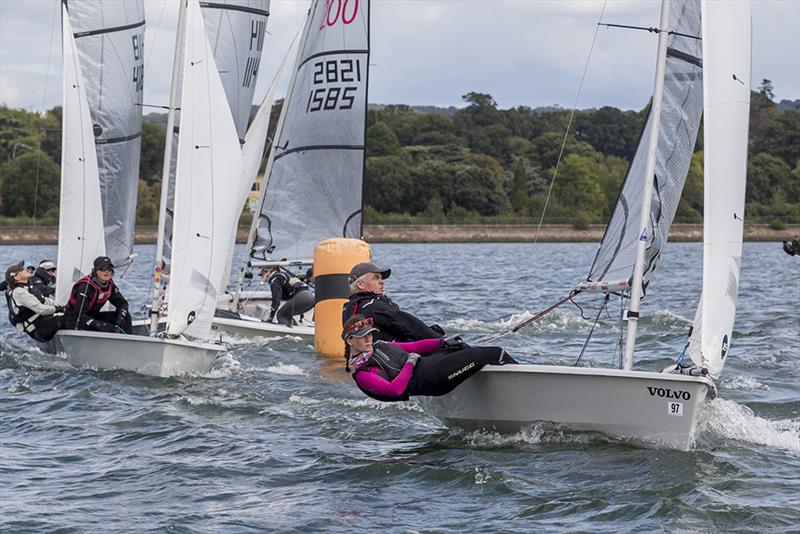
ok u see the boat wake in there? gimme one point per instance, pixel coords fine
(536, 434)
(722, 418)
(286, 369)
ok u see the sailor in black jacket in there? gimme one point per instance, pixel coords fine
(88, 296)
(367, 299)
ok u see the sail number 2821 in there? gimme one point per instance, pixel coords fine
(335, 71)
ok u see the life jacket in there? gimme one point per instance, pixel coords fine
(20, 316)
(289, 284)
(99, 298)
(388, 360)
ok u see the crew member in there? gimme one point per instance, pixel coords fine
(394, 371)
(368, 299)
(43, 281)
(299, 298)
(39, 317)
(88, 296)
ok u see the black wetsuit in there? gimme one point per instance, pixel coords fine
(299, 298)
(393, 323)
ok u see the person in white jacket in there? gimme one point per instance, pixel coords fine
(40, 318)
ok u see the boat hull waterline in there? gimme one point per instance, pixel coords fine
(257, 328)
(141, 354)
(644, 408)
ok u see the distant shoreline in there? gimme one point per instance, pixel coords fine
(438, 233)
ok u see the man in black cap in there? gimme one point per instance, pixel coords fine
(88, 296)
(367, 298)
(39, 318)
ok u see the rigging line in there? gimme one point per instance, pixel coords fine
(589, 337)
(44, 106)
(569, 124)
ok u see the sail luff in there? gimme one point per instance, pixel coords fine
(727, 38)
(81, 237)
(638, 269)
(158, 288)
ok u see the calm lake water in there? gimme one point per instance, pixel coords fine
(278, 439)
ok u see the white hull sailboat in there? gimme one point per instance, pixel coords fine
(643, 407)
(207, 150)
(313, 181)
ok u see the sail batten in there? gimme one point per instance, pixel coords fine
(681, 109)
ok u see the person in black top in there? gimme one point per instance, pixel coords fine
(39, 317)
(43, 282)
(284, 287)
(88, 296)
(367, 298)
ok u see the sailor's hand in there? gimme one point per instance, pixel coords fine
(413, 357)
(453, 342)
(438, 329)
(59, 308)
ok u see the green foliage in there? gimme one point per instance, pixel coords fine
(30, 185)
(152, 158)
(382, 141)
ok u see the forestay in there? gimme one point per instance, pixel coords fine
(235, 31)
(314, 185)
(681, 109)
(110, 43)
(80, 224)
(208, 155)
(726, 50)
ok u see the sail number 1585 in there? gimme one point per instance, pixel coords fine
(334, 72)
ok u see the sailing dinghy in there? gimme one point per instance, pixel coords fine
(313, 182)
(644, 407)
(207, 153)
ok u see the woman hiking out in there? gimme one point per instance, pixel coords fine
(394, 371)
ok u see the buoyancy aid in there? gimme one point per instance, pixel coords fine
(388, 360)
(20, 316)
(99, 298)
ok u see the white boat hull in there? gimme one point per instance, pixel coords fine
(644, 408)
(141, 354)
(256, 328)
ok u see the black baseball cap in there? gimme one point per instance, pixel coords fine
(363, 268)
(12, 271)
(103, 262)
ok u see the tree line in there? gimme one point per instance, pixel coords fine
(477, 162)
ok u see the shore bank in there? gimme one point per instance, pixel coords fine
(457, 233)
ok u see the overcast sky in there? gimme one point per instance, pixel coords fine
(522, 52)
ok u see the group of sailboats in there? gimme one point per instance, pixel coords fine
(312, 191)
(313, 180)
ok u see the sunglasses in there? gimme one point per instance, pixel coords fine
(106, 270)
(364, 323)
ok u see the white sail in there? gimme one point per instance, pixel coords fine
(313, 190)
(726, 59)
(80, 225)
(208, 154)
(235, 30)
(110, 40)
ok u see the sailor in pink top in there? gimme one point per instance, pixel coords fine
(394, 371)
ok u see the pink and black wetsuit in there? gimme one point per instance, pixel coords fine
(386, 374)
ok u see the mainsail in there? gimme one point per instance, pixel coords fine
(80, 223)
(313, 188)
(726, 50)
(235, 30)
(681, 109)
(208, 154)
(110, 43)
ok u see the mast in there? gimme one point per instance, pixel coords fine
(284, 108)
(162, 211)
(638, 269)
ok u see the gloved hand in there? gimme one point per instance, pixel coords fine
(100, 326)
(271, 317)
(121, 318)
(438, 329)
(59, 308)
(413, 357)
(453, 343)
